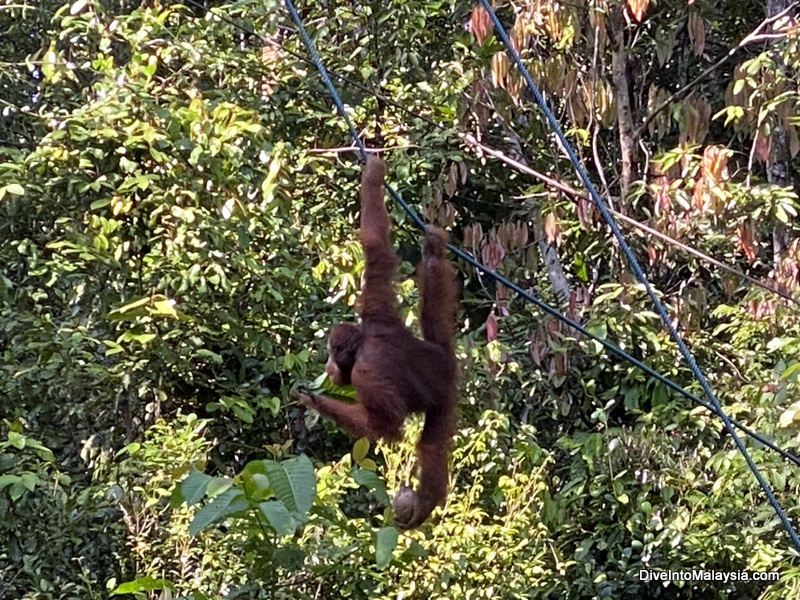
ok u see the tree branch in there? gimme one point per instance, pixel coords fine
(751, 38)
(576, 195)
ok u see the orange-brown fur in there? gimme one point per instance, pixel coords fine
(393, 372)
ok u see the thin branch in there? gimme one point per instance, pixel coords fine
(575, 195)
(751, 38)
(469, 139)
(345, 149)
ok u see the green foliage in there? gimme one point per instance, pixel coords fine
(290, 482)
(57, 533)
(178, 232)
(141, 585)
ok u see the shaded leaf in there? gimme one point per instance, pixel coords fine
(279, 517)
(385, 543)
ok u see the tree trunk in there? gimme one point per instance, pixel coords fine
(548, 251)
(624, 95)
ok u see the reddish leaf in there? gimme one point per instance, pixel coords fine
(480, 24)
(638, 8)
(746, 234)
(551, 230)
(492, 253)
(491, 328)
(451, 183)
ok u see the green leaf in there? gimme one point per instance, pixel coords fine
(165, 308)
(372, 482)
(360, 449)
(193, 488)
(256, 485)
(14, 189)
(279, 517)
(133, 305)
(42, 451)
(131, 449)
(385, 543)
(368, 464)
(112, 347)
(48, 61)
(142, 338)
(293, 482)
(213, 356)
(142, 584)
(17, 491)
(217, 485)
(8, 479)
(753, 65)
(788, 417)
(102, 203)
(29, 480)
(226, 504)
(16, 439)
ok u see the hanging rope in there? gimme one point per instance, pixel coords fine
(499, 155)
(714, 406)
(637, 269)
(614, 349)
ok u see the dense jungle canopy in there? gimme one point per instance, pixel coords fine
(179, 231)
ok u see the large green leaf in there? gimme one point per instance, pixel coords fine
(293, 483)
(278, 516)
(226, 504)
(142, 584)
(385, 543)
(192, 489)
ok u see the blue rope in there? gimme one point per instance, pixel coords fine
(637, 269)
(323, 73)
(714, 406)
(614, 349)
(468, 258)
